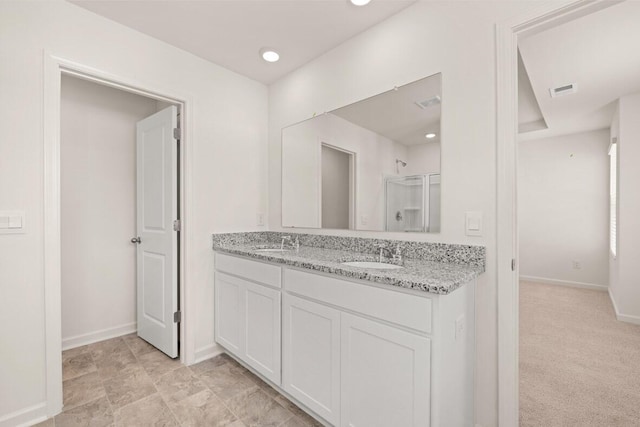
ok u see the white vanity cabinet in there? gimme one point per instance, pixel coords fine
(354, 353)
(247, 313)
(311, 355)
(385, 375)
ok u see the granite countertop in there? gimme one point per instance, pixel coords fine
(419, 274)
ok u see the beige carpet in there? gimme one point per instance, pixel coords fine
(579, 366)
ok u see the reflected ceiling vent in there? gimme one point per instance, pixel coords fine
(435, 100)
(563, 90)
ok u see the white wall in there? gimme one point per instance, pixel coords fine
(563, 212)
(625, 285)
(98, 210)
(229, 121)
(375, 158)
(422, 158)
(457, 39)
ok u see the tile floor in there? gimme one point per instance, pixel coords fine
(127, 382)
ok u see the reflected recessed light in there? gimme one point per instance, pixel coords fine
(430, 135)
(359, 2)
(269, 54)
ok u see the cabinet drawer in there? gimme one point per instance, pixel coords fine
(253, 270)
(411, 311)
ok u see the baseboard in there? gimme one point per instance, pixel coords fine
(623, 317)
(568, 283)
(207, 352)
(104, 334)
(25, 417)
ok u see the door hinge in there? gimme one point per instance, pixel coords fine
(513, 264)
(177, 225)
(177, 317)
(177, 133)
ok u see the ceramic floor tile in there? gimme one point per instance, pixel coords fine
(235, 366)
(258, 409)
(202, 409)
(208, 364)
(83, 389)
(294, 422)
(75, 352)
(150, 411)
(179, 384)
(105, 349)
(227, 383)
(157, 364)
(76, 366)
(96, 413)
(124, 390)
(120, 363)
(137, 345)
(307, 419)
(270, 391)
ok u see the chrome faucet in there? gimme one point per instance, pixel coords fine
(293, 244)
(394, 256)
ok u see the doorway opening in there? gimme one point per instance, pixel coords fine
(560, 320)
(118, 178)
(54, 69)
(337, 194)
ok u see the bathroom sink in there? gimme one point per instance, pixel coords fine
(372, 264)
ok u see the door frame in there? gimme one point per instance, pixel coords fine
(54, 68)
(542, 16)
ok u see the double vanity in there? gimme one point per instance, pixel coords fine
(352, 340)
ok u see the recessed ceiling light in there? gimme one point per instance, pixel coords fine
(430, 135)
(359, 2)
(269, 54)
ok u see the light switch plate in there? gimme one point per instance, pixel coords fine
(473, 223)
(12, 222)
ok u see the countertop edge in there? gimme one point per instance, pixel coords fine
(359, 274)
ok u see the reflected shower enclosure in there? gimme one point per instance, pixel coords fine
(413, 203)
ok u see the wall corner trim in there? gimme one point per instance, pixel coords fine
(623, 317)
(207, 352)
(25, 417)
(569, 283)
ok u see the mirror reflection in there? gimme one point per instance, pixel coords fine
(372, 165)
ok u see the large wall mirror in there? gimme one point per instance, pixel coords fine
(372, 165)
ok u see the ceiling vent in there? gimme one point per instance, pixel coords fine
(563, 90)
(435, 100)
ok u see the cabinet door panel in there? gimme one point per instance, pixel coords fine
(228, 316)
(385, 375)
(311, 359)
(262, 330)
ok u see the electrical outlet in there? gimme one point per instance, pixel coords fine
(577, 265)
(460, 326)
(260, 218)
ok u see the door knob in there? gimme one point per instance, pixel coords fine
(136, 240)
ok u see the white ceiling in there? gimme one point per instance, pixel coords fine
(600, 52)
(395, 115)
(230, 33)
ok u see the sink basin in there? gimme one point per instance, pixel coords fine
(273, 250)
(372, 264)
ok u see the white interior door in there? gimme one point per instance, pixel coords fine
(157, 208)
